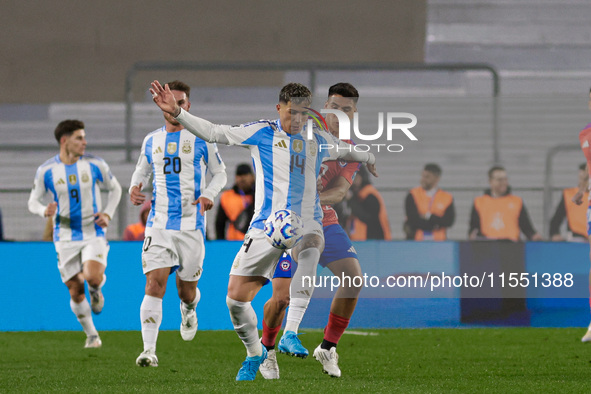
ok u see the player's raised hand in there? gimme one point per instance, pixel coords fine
(51, 209)
(578, 198)
(102, 219)
(164, 98)
(206, 204)
(136, 197)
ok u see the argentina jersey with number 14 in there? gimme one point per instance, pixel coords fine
(287, 167)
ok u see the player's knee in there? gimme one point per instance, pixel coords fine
(155, 288)
(282, 302)
(94, 281)
(77, 296)
(235, 306)
(187, 295)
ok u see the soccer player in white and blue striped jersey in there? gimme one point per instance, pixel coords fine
(175, 229)
(287, 165)
(72, 180)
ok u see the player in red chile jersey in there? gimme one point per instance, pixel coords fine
(339, 256)
(585, 141)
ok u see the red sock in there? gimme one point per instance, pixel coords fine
(270, 334)
(335, 328)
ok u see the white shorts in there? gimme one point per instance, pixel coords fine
(71, 255)
(257, 257)
(170, 248)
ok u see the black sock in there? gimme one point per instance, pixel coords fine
(326, 345)
(268, 347)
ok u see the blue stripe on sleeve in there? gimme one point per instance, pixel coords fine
(75, 203)
(48, 179)
(148, 150)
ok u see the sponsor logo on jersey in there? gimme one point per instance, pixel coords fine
(72, 179)
(281, 144)
(171, 148)
(186, 147)
(85, 178)
(158, 150)
(298, 146)
(352, 250)
(60, 182)
(586, 144)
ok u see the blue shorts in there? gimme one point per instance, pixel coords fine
(337, 246)
(285, 266)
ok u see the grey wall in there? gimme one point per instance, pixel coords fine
(67, 50)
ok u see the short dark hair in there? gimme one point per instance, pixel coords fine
(433, 169)
(583, 167)
(180, 86)
(67, 128)
(493, 169)
(344, 89)
(296, 93)
(243, 169)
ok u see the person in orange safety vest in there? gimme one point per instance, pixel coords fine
(236, 206)
(429, 210)
(498, 214)
(135, 231)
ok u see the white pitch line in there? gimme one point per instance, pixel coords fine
(362, 333)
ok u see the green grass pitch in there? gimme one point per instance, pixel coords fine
(405, 360)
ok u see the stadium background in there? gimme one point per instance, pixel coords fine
(72, 63)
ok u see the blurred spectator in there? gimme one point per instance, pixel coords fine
(576, 215)
(498, 214)
(369, 219)
(236, 206)
(429, 210)
(135, 232)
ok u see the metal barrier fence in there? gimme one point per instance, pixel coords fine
(20, 225)
(312, 69)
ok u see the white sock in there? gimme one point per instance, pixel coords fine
(93, 289)
(245, 324)
(82, 312)
(151, 317)
(295, 313)
(193, 304)
(301, 290)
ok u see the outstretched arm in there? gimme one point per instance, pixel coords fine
(163, 97)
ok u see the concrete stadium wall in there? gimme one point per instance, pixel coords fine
(34, 299)
(67, 51)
